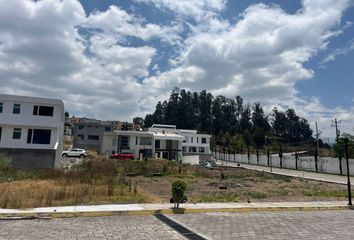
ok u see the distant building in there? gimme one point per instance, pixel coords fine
(160, 141)
(193, 144)
(31, 131)
(88, 132)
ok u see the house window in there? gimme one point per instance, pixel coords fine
(43, 111)
(16, 109)
(114, 142)
(145, 141)
(184, 149)
(136, 141)
(124, 142)
(107, 129)
(80, 137)
(17, 133)
(157, 143)
(191, 139)
(197, 139)
(192, 149)
(39, 136)
(201, 149)
(1, 106)
(81, 127)
(203, 140)
(0, 133)
(93, 137)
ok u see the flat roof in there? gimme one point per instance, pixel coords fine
(156, 135)
(131, 133)
(163, 126)
(171, 136)
(18, 98)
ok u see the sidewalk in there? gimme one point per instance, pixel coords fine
(324, 177)
(167, 208)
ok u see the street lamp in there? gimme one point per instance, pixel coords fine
(348, 175)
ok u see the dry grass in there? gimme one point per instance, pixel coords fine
(40, 193)
(94, 181)
(106, 181)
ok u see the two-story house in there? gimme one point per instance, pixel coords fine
(160, 141)
(31, 131)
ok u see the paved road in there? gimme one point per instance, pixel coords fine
(314, 225)
(294, 225)
(114, 227)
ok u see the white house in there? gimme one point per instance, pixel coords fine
(146, 144)
(193, 143)
(31, 131)
(160, 141)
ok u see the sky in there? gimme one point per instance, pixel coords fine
(116, 59)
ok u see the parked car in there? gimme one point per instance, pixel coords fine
(75, 152)
(122, 156)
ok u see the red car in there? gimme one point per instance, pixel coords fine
(122, 156)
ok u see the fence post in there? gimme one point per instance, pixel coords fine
(340, 165)
(316, 156)
(296, 158)
(281, 157)
(268, 156)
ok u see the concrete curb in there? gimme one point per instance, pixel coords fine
(41, 216)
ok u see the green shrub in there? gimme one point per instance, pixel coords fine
(178, 189)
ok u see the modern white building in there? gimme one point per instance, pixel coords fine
(193, 143)
(31, 131)
(160, 141)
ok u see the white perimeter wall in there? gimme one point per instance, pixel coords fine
(325, 164)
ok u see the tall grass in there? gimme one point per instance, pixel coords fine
(41, 193)
(92, 181)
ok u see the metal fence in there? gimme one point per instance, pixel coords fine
(303, 163)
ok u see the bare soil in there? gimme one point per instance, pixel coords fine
(240, 185)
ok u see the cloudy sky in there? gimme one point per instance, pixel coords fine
(115, 59)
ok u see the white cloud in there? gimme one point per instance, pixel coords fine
(338, 52)
(54, 48)
(43, 54)
(120, 23)
(198, 10)
(261, 57)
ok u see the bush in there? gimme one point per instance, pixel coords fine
(178, 189)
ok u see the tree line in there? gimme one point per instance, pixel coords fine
(229, 118)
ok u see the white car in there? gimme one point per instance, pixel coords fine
(75, 152)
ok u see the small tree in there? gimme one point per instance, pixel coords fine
(178, 189)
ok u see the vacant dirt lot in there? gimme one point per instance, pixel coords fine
(100, 180)
(207, 185)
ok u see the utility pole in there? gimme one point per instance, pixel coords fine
(317, 148)
(348, 174)
(336, 126)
